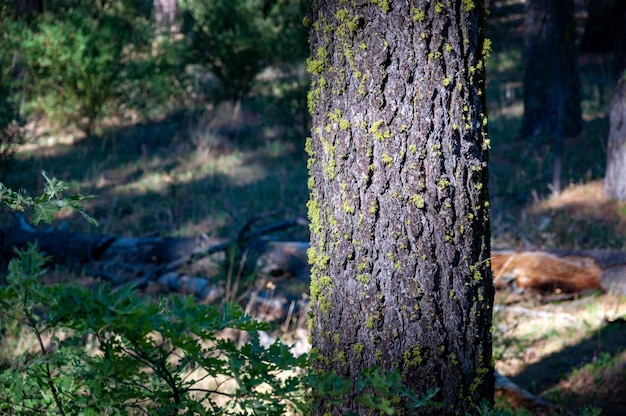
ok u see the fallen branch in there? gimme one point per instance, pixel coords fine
(545, 271)
(518, 398)
(145, 260)
(160, 262)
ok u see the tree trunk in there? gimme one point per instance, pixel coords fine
(615, 177)
(400, 277)
(28, 9)
(602, 25)
(551, 79)
(165, 15)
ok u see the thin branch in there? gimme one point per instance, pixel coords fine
(243, 238)
(51, 386)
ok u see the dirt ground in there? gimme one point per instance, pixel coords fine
(570, 353)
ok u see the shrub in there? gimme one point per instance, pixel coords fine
(79, 59)
(236, 39)
(11, 123)
(104, 351)
(108, 351)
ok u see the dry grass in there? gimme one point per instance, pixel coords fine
(183, 174)
(580, 217)
(571, 353)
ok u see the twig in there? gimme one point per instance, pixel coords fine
(289, 314)
(243, 238)
(48, 371)
(503, 269)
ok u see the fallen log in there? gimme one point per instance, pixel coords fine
(519, 398)
(545, 272)
(183, 265)
(65, 246)
(168, 261)
(560, 271)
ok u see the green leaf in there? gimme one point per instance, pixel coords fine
(377, 403)
(43, 212)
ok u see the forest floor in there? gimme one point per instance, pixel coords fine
(173, 177)
(207, 172)
(570, 353)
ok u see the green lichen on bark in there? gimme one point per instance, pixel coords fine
(398, 153)
(383, 4)
(468, 5)
(418, 201)
(417, 14)
(362, 278)
(376, 130)
(316, 65)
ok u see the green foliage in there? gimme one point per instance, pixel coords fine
(236, 39)
(79, 60)
(108, 351)
(381, 391)
(82, 61)
(4, 9)
(44, 206)
(11, 123)
(376, 390)
(104, 351)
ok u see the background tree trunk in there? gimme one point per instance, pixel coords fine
(615, 177)
(398, 207)
(602, 25)
(28, 8)
(165, 15)
(551, 79)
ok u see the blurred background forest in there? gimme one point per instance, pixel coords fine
(181, 126)
(188, 118)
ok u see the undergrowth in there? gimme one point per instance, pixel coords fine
(69, 350)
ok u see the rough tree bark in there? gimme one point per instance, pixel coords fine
(615, 177)
(400, 277)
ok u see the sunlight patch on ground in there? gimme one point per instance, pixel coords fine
(587, 196)
(584, 203)
(527, 333)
